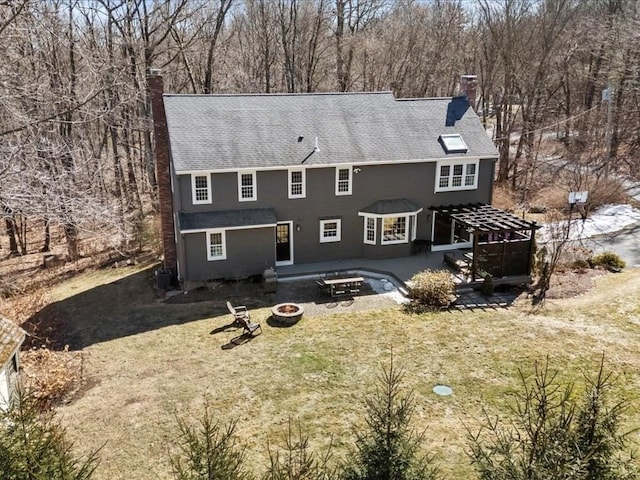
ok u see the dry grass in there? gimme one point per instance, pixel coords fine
(146, 360)
(504, 198)
(51, 375)
(601, 191)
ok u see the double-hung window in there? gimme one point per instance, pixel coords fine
(457, 176)
(247, 189)
(344, 180)
(201, 188)
(370, 230)
(470, 175)
(216, 245)
(297, 183)
(330, 230)
(394, 230)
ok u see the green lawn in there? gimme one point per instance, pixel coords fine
(146, 360)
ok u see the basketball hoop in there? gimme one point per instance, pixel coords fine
(578, 197)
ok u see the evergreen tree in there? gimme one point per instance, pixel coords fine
(389, 448)
(296, 461)
(33, 446)
(208, 450)
(598, 432)
(551, 435)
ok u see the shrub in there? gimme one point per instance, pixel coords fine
(51, 375)
(609, 260)
(432, 288)
(577, 257)
(537, 209)
(488, 286)
(580, 264)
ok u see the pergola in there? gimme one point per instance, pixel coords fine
(503, 244)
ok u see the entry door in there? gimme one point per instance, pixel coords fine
(284, 243)
(447, 233)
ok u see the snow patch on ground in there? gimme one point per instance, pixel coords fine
(605, 220)
(386, 288)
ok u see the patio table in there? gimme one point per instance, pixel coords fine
(341, 285)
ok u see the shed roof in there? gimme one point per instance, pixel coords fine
(227, 219)
(11, 337)
(211, 132)
(390, 207)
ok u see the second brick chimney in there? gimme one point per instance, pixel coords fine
(163, 172)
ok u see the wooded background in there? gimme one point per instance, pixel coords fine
(76, 150)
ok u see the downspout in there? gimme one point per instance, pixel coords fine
(474, 262)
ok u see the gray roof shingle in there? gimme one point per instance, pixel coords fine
(389, 207)
(11, 337)
(209, 132)
(227, 219)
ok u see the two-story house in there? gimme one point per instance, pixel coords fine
(257, 181)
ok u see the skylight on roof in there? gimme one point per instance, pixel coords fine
(453, 143)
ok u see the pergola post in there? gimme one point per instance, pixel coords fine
(474, 261)
(532, 252)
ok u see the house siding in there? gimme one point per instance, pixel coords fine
(5, 395)
(8, 379)
(249, 251)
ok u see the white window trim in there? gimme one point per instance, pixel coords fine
(414, 227)
(304, 182)
(451, 164)
(350, 170)
(193, 188)
(224, 245)
(375, 229)
(406, 230)
(254, 185)
(338, 237)
(291, 251)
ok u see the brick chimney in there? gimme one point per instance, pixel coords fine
(163, 171)
(468, 86)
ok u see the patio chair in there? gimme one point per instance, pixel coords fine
(240, 313)
(248, 327)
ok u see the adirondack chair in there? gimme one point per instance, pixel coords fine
(242, 318)
(248, 327)
(239, 313)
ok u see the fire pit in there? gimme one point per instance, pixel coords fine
(286, 314)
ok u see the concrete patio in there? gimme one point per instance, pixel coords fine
(401, 269)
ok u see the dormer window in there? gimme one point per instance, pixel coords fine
(453, 143)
